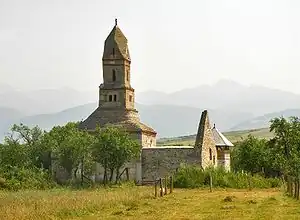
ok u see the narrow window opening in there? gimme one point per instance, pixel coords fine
(110, 98)
(214, 159)
(127, 75)
(130, 98)
(210, 154)
(113, 75)
(113, 52)
(115, 98)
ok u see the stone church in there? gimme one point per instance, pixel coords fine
(116, 107)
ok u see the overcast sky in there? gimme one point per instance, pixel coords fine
(174, 44)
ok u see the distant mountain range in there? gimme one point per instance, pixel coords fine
(231, 106)
(228, 96)
(264, 120)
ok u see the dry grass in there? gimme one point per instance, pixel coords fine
(138, 203)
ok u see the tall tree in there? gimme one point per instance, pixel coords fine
(27, 142)
(70, 146)
(286, 144)
(251, 155)
(113, 147)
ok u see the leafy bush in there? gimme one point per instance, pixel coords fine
(193, 177)
(13, 178)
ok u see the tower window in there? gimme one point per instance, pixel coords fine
(127, 75)
(110, 98)
(113, 75)
(210, 154)
(115, 98)
(130, 98)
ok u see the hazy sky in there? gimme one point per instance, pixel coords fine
(174, 44)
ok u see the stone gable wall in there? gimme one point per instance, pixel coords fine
(205, 142)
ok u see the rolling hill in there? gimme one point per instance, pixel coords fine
(233, 136)
(264, 120)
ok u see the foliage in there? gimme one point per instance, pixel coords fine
(286, 145)
(15, 178)
(194, 177)
(70, 146)
(112, 148)
(251, 155)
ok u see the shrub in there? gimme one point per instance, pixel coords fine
(193, 177)
(24, 178)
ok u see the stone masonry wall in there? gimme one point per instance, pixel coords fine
(160, 161)
(148, 140)
(205, 143)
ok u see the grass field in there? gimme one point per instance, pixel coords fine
(138, 203)
(233, 136)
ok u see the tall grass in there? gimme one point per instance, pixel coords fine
(69, 204)
(194, 177)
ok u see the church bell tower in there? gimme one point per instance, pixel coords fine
(116, 91)
(116, 95)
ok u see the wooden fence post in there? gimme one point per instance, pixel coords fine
(161, 187)
(127, 174)
(210, 182)
(155, 188)
(291, 189)
(249, 182)
(298, 188)
(171, 184)
(288, 185)
(166, 185)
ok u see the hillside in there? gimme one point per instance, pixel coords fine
(233, 136)
(264, 120)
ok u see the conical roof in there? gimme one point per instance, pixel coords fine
(116, 45)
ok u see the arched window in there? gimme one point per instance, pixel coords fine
(110, 98)
(115, 98)
(210, 154)
(113, 75)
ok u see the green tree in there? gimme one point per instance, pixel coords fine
(113, 147)
(286, 144)
(23, 146)
(13, 154)
(70, 147)
(251, 155)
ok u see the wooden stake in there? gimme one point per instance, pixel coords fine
(171, 184)
(298, 188)
(166, 185)
(210, 182)
(161, 187)
(155, 187)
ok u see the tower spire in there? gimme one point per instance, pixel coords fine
(116, 22)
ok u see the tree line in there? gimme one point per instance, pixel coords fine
(278, 156)
(28, 154)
